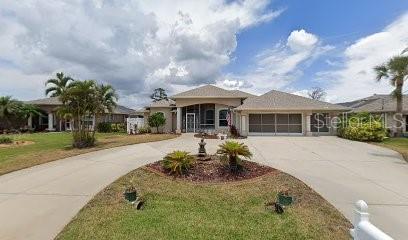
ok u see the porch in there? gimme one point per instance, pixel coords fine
(208, 117)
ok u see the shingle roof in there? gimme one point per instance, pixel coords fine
(210, 91)
(163, 103)
(54, 101)
(276, 100)
(377, 103)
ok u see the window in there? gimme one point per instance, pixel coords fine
(222, 117)
(209, 116)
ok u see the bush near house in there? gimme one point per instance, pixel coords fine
(104, 127)
(144, 130)
(362, 127)
(157, 120)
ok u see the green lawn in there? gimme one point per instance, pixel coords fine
(52, 146)
(398, 144)
(176, 209)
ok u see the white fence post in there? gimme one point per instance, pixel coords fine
(363, 229)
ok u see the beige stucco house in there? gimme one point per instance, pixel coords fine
(210, 108)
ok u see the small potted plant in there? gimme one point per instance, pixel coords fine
(130, 194)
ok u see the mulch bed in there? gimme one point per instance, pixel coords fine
(206, 136)
(216, 171)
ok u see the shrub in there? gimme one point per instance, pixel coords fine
(178, 162)
(104, 127)
(362, 127)
(118, 127)
(144, 130)
(231, 151)
(83, 140)
(5, 140)
(157, 120)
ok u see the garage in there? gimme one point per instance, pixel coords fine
(275, 124)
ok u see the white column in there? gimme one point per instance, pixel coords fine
(93, 122)
(51, 122)
(178, 128)
(30, 121)
(308, 129)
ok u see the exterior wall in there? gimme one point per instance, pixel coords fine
(169, 119)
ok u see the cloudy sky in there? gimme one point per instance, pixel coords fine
(253, 45)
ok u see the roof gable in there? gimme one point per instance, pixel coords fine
(210, 91)
(277, 100)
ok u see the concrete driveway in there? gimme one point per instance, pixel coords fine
(36, 203)
(343, 172)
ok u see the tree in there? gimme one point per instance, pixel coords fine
(8, 109)
(157, 120)
(107, 97)
(81, 100)
(56, 86)
(396, 71)
(316, 93)
(232, 151)
(14, 113)
(159, 94)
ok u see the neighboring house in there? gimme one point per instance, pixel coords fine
(210, 108)
(384, 105)
(50, 121)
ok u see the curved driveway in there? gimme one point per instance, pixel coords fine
(36, 203)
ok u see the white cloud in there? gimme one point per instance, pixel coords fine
(134, 45)
(278, 67)
(300, 40)
(356, 78)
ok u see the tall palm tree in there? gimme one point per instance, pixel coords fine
(56, 86)
(396, 71)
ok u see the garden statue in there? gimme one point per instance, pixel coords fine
(201, 150)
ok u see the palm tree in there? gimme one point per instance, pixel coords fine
(56, 86)
(8, 109)
(108, 96)
(396, 71)
(232, 151)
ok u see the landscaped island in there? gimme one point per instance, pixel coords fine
(207, 197)
(178, 209)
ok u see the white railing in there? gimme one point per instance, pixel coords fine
(363, 229)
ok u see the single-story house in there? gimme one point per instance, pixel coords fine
(50, 121)
(381, 104)
(210, 108)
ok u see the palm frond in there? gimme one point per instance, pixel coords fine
(381, 71)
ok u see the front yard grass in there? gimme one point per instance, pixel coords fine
(398, 144)
(53, 146)
(177, 209)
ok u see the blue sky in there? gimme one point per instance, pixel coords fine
(251, 45)
(337, 23)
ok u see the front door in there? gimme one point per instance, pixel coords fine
(190, 122)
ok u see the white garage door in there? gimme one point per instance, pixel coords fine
(275, 124)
